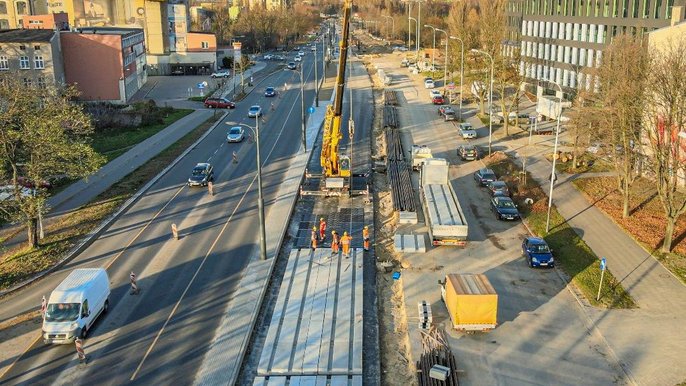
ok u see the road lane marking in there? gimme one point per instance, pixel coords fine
(226, 224)
(7, 370)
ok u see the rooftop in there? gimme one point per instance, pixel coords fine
(110, 31)
(26, 35)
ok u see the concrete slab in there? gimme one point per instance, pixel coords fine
(321, 380)
(356, 360)
(339, 380)
(303, 381)
(407, 217)
(277, 381)
(410, 243)
(259, 381)
(357, 380)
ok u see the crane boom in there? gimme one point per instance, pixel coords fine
(333, 164)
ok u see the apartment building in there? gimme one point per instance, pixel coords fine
(58, 21)
(560, 40)
(34, 55)
(105, 64)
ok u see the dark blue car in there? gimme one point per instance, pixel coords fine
(504, 208)
(537, 253)
(269, 92)
(484, 176)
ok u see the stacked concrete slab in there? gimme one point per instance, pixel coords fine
(315, 334)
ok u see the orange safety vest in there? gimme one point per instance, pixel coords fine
(365, 233)
(345, 240)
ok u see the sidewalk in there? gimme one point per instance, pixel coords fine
(660, 296)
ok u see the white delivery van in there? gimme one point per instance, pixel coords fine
(75, 304)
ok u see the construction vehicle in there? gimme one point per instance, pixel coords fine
(444, 215)
(471, 301)
(335, 166)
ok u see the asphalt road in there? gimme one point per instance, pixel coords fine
(159, 336)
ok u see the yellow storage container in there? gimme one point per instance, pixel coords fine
(471, 301)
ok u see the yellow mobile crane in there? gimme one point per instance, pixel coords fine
(335, 165)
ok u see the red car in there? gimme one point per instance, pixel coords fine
(437, 100)
(219, 103)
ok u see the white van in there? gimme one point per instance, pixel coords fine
(75, 304)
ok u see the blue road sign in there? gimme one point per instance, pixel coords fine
(310, 110)
(603, 264)
(201, 86)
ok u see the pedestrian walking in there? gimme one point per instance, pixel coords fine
(322, 229)
(335, 243)
(235, 157)
(79, 350)
(313, 238)
(365, 237)
(43, 306)
(134, 285)
(345, 243)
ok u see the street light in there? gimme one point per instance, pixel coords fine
(316, 82)
(416, 50)
(392, 24)
(490, 100)
(433, 53)
(409, 25)
(552, 172)
(461, 70)
(302, 106)
(445, 65)
(260, 198)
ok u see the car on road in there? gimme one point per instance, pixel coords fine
(447, 112)
(504, 208)
(498, 188)
(438, 100)
(202, 174)
(537, 252)
(467, 131)
(434, 93)
(235, 134)
(484, 176)
(221, 74)
(291, 66)
(298, 59)
(255, 111)
(468, 152)
(270, 92)
(429, 83)
(301, 53)
(178, 71)
(268, 57)
(219, 103)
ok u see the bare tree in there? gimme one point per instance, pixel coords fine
(42, 134)
(508, 83)
(666, 125)
(581, 124)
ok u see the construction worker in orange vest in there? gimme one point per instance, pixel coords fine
(335, 240)
(313, 238)
(365, 237)
(322, 229)
(345, 242)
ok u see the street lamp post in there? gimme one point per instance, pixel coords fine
(445, 65)
(392, 24)
(416, 50)
(302, 106)
(552, 172)
(316, 81)
(409, 25)
(260, 197)
(461, 69)
(433, 52)
(490, 101)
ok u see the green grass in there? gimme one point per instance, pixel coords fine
(572, 255)
(22, 263)
(114, 143)
(198, 98)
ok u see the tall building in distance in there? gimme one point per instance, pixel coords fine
(560, 40)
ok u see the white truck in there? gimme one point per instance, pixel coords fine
(419, 154)
(550, 107)
(444, 215)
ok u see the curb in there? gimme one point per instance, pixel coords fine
(88, 240)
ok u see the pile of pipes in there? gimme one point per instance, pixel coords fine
(437, 365)
(390, 98)
(390, 117)
(398, 174)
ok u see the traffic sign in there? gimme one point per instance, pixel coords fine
(201, 85)
(603, 264)
(451, 85)
(310, 110)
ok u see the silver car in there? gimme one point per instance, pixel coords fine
(255, 111)
(467, 131)
(235, 134)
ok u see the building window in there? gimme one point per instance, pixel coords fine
(3, 7)
(644, 13)
(205, 45)
(38, 62)
(656, 8)
(24, 63)
(21, 8)
(668, 11)
(4, 63)
(37, 48)
(27, 82)
(41, 82)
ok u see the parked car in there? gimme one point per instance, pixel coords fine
(537, 252)
(484, 176)
(504, 208)
(301, 53)
(291, 66)
(298, 59)
(202, 174)
(7, 192)
(467, 131)
(468, 152)
(438, 100)
(270, 92)
(434, 93)
(429, 83)
(268, 57)
(447, 112)
(498, 188)
(255, 111)
(219, 103)
(235, 134)
(221, 74)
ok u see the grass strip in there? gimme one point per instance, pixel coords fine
(114, 143)
(572, 254)
(62, 235)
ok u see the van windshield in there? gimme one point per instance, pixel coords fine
(62, 312)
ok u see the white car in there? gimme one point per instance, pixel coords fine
(467, 131)
(429, 83)
(221, 74)
(268, 57)
(298, 59)
(301, 53)
(255, 111)
(434, 93)
(235, 134)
